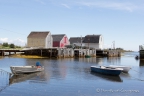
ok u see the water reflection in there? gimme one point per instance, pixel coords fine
(114, 60)
(131, 54)
(100, 60)
(108, 77)
(70, 77)
(97, 60)
(54, 68)
(39, 76)
(4, 77)
(125, 75)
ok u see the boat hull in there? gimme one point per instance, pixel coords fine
(105, 71)
(125, 68)
(25, 69)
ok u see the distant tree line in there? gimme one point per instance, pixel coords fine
(119, 48)
(6, 45)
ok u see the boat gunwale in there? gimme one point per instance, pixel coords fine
(107, 68)
(120, 66)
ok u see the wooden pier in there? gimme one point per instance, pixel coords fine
(108, 53)
(62, 52)
(9, 51)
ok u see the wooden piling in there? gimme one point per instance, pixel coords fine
(141, 52)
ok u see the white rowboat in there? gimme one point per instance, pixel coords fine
(25, 69)
(125, 68)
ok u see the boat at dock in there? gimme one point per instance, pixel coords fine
(106, 70)
(87, 56)
(137, 57)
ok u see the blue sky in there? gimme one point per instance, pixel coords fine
(121, 21)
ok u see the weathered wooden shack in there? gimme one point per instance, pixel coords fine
(40, 39)
(78, 41)
(93, 41)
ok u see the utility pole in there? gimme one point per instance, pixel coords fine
(81, 42)
(113, 44)
(88, 42)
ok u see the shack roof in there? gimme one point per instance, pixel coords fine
(38, 34)
(91, 39)
(75, 39)
(58, 37)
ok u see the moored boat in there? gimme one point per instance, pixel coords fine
(87, 56)
(136, 57)
(25, 69)
(125, 68)
(106, 70)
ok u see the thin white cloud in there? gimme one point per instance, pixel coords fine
(65, 5)
(3, 40)
(18, 41)
(126, 5)
(112, 5)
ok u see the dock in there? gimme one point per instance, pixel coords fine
(61, 52)
(4, 52)
(108, 53)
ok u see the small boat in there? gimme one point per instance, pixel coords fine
(87, 56)
(136, 57)
(125, 68)
(26, 69)
(106, 70)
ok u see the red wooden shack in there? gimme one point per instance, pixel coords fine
(60, 40)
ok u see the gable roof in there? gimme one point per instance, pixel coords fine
(91, 39)
(58, 37)
(75, 39)
(38, 34)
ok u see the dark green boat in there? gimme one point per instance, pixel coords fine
(87, 56)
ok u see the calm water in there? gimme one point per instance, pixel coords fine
(72, 77)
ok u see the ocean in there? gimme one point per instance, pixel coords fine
(73, 77)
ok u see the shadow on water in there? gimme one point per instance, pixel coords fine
(108, 77)
(24, 77)
(125, 75)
